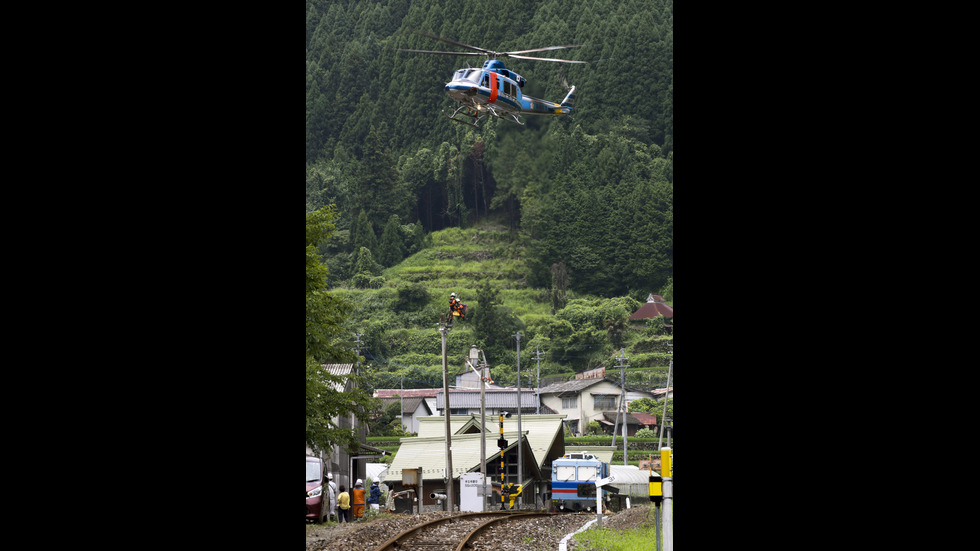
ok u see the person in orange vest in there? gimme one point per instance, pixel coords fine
(456, 308)
(358, 499)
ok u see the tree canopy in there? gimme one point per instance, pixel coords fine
(325, 315)
(592, 192)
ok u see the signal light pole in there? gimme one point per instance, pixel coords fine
(501, 443)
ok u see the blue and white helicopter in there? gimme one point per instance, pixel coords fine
(496, 90)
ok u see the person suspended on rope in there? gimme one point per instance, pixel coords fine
(456, 308)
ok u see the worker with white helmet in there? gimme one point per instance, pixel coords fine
(456, 308)
(332, 487)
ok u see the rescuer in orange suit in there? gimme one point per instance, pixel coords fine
(357, 499)
(456, 307)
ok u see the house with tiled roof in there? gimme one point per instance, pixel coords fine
(427, 394)
(412, 408)
(654, 307)
(584, 400)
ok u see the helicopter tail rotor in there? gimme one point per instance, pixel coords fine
(569, 100)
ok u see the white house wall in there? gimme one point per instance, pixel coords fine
(585, 403)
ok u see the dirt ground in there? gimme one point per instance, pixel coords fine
(368, 533)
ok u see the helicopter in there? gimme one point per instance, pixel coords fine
(496, 90)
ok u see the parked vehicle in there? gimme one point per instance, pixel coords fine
(317, 493)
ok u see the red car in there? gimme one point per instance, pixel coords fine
(317, 492)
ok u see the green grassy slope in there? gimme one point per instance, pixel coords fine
(404, 343)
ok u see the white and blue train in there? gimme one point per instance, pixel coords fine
(573, 475)
(573, 478)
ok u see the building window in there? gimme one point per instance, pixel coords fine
(568, 403)
(603, 403)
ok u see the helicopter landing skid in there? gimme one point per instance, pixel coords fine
(461, 121)
(515, 119)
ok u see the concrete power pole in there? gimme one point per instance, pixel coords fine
(444, 331)
(622, 399)
(520, 435)
(354, 425)
(537, 384)
(662, 421)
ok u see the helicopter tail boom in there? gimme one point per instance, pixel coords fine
(535, 106)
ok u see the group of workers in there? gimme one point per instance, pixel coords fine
(353, 502)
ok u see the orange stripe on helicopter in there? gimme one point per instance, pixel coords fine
(493, 87)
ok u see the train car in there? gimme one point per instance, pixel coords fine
(573, 477)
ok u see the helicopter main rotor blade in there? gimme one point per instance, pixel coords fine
(545, 49)
(454, 43)
(492, 53)
(440, 53)
(545, 59)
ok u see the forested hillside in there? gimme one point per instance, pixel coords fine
(554, 229)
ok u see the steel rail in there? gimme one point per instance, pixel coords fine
(472, 535)
(397, 541)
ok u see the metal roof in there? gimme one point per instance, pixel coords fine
(645, 418)
(428, 450)
(411, 404)
(574, 386)
(340, 370)
(389, 392)
(629, 474)
(602, 453)
(495, 399)
(653, 308)
(609, 417)
(430, 454)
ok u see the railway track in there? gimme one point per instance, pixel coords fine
(451, 533)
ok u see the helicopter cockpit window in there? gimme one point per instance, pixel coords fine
(467, 74)
(486, 81)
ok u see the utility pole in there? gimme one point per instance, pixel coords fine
(444, 331)
(520, 435)
(474, 363)
(622, 400)
(403, 402)
(356, 427)
(663, 420)
(357, 352)
(537, 386)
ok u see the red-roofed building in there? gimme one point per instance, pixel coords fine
(655, 307)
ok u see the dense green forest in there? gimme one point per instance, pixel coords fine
(559, 229)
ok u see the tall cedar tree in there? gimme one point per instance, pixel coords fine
(391, 249)
(325, 315)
